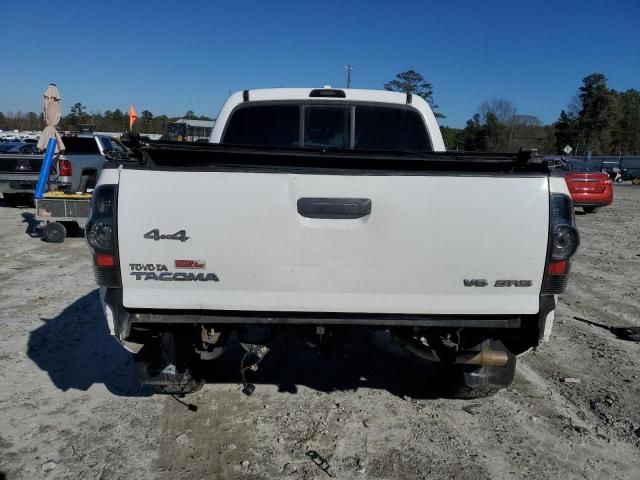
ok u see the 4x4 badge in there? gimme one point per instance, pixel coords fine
(156, 235)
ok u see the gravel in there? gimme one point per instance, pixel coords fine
(69, 407)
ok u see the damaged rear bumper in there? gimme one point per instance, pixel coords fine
(120, 319)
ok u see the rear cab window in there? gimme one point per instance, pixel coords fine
(317, 125)
(267, 125)
(327, 126)
(388, 128)
(81, 145)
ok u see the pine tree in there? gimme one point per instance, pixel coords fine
(414, 83)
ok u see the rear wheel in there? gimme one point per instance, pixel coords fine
(87, 182)
(168, 365)
(590, 209)
(471, 381)
(180, 384)
(54, 232)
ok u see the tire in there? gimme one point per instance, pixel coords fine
(54, 232)
(590, 209)
(167, 368)
(178, 383)
(470, 381)
(86, 182)
(186, 387)
(460, 387)
(472, 393)
(636, 181)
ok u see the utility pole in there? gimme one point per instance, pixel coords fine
(349, 69)
(513, 118)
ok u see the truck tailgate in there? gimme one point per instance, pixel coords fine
(425, 235)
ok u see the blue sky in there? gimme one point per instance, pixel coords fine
(170, 57)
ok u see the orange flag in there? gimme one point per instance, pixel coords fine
(132, 116)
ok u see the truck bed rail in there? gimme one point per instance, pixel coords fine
(218, 157)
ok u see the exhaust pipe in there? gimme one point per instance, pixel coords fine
(486, 358)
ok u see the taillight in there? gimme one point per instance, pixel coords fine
(558, 267)
(105, 260)
(563, 243)
(101, 235)
(64, 168)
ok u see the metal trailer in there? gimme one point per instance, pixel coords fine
(64, 214)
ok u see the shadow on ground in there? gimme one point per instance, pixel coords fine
(34, 230)
(77, 351)
(368, 360)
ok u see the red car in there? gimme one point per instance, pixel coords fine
(589, 188)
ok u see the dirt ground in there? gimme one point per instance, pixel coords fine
(69, 407)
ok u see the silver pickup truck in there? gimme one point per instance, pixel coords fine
(75, 170)
(79, 167)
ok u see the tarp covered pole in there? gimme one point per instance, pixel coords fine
(46, 168)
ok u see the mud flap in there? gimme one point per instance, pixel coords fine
(546, 317)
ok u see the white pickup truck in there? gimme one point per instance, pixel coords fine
(326, 209)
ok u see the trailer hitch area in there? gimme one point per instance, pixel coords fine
(257, 354)
(213, 343)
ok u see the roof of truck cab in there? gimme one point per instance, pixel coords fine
(350, 95)
(353, 94)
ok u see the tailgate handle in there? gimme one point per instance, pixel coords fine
(338, 208)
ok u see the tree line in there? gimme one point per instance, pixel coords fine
(598, 119)
(107, 121)
(601, 119)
